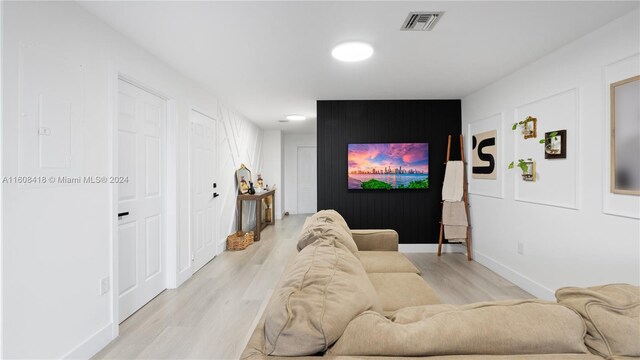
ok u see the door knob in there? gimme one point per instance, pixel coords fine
(215, 195)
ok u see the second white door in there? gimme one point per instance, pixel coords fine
(203, 189)
(307, 180)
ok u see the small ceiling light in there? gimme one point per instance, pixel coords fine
(295, 117)
(352, 51)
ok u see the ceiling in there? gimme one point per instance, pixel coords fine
(269, 59)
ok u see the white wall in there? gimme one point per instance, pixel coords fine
(1, 187)
(272, 170)
(56, 241)
(239, 142)
(560, 220)
(291, 144)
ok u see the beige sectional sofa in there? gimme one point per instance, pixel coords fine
(351, 294)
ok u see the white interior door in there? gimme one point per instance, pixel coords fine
(202, 162)
(141, 265)
(307, 180)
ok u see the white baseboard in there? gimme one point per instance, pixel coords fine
(183, 276)
(430, 248)
(532, 287)
(92, 345)
(222, 246)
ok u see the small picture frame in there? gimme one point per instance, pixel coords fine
(555, 144)
(530, 174)
(530, 128)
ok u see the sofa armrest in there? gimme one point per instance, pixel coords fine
(376, 240)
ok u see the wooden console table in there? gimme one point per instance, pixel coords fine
(258, 197)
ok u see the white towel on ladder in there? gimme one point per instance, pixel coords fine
(453, 178)
(454, 219)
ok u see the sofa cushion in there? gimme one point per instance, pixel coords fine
(501, 328)
(400, 290)
(319, 229)
(308, 221)
(376, 239)
(331, 216)
(386, 262)
(612, 315)
(321, 291)
(412, 314)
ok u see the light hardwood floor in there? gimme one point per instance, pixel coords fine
(459, 281)
(213, 313)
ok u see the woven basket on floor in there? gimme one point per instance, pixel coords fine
(239, 240)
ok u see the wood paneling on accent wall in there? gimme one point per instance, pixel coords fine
(414, 214)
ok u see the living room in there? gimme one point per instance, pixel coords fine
(365, 131)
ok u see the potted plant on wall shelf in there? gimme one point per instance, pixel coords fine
(529, 127)
(528, 168)
(529, 130)
(522, 164)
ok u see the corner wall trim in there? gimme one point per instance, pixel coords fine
(529, 285)
(183, 275)
(430, 248)
(92, 345)
(222, 247)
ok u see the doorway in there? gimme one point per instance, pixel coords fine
(140, 150)
(202, 164)
(307, 180)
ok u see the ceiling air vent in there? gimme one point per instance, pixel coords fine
(421, 21)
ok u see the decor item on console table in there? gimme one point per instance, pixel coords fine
(243, 176)
(259, 183)
(258, 197)
(268, 216)
(244, 188)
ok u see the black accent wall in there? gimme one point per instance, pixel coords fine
(414, 214)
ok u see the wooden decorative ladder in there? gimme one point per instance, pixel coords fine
(465, 198)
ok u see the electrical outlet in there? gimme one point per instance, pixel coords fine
(520, 248)
(105, 285)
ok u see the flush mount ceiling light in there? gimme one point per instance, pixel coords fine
(296, 117)
(352, 51)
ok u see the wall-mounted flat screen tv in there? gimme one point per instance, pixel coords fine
(388, 166)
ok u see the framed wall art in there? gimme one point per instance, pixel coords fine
(388, 166)
(555, 144)
(484, 164)
(625, 136)
(530, 128)
(485, 155)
